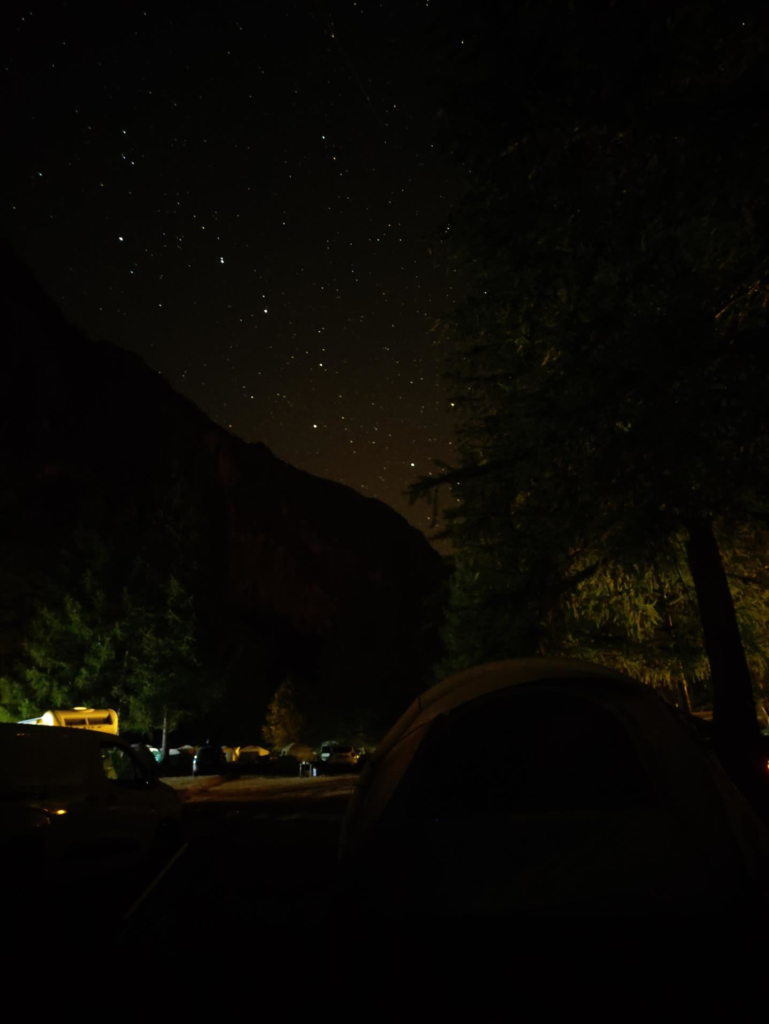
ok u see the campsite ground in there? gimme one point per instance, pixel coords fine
(259, 850)
(257, 867)
(272, 795)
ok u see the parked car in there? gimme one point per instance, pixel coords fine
(149, 756)
(178, 763)
(79, 798)
(209, 760)
(338, 756)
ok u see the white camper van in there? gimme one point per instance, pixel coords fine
(79, 718)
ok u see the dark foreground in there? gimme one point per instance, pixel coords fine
(257, 867)
(255, 877)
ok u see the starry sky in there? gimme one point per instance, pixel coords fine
(249, 196)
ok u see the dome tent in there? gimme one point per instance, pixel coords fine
(300, 751)
(546, 787)
(252, 753)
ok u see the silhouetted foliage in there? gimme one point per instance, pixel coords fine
(130, 645)
(284, 722)
(611, 353)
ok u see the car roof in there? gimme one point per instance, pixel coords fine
(57, 733)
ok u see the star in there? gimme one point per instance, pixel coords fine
(224, 159)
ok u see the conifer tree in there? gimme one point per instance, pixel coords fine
(284, 722)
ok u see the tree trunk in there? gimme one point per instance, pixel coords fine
(683, 695)
(684, 699)
(735, 723)
(164, 742)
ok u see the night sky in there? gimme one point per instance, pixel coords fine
(247, 195)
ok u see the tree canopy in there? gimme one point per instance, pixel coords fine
(284, 722)
(114, 623)
(611, 353)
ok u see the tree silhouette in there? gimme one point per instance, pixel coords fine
(611, 352)
(284, 723)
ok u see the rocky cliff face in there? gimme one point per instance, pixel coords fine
(299, 574)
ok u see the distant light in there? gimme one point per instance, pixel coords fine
(315, 426)
(413, 463)
(60, 811)
(120, 238)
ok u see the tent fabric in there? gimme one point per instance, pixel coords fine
(252, 753)
(300, 751)
(411, 727)
(582, 789)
